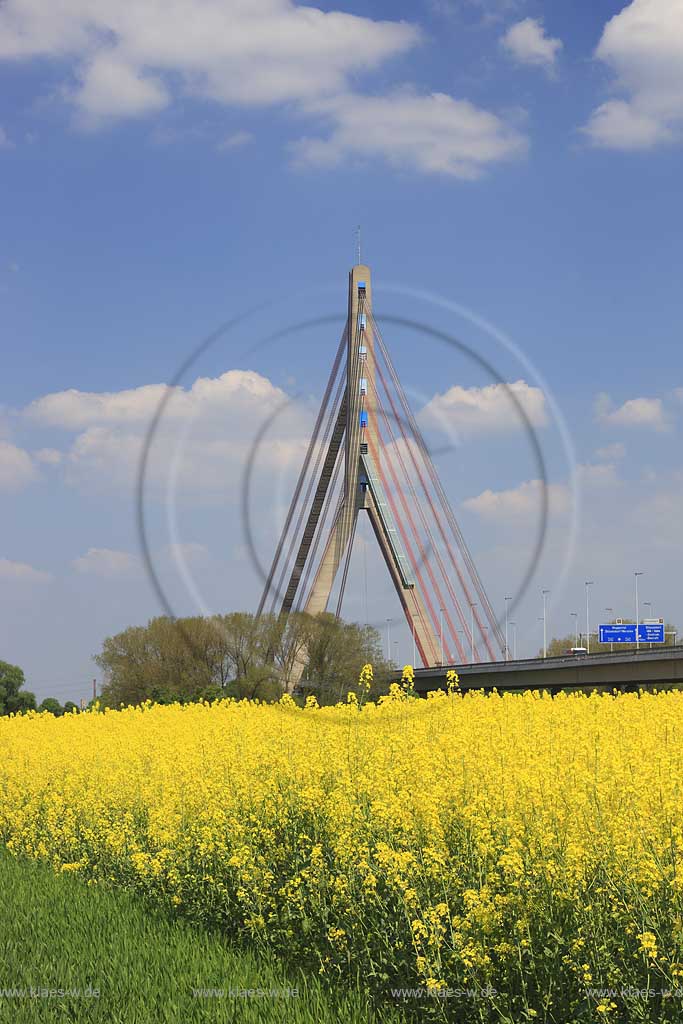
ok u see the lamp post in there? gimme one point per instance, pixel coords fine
(472, 607)
(507, 610)
(575, 616)
(648, 604)
(545, 635)
(611, 645)
(588, 583)
(389, 640)
(514, 640)
(636, 575)
(396, 653)
(413, 632)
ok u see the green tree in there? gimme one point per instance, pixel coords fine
(69, 706)
(13, 697)
(52, 705)
(237, 655)
(337, 652)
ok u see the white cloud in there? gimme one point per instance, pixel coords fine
(636, 412)
(16, 467)
(49, 456)
(643, 45)
(4, 141)
(73, 409)
(527, 42)
(236, 141)
(204, 436)
(111, 87)
(611, 452)
(20, 572)
(131, 57)
(106, 562)
(433, 134)
(519, 503)
(190, 552)
(486, 410)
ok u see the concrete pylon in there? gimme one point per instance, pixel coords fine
(363, 490)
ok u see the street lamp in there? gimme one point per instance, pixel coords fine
(396, 653)
(575, 616)
(648, 604)
(472, 607)
(588, 583)
(545, 635)
(507, 609)
(389, 640)
(514, 640)
(636, 575)
(611, 644)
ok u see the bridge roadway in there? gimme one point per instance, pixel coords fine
(625, 671)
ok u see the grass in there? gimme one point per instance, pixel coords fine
(128, 963)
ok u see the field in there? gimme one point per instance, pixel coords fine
(72, 952)
(501, 858)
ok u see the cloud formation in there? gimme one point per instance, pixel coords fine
(202, 441)
(20, 572)
(488, 410)
(636, 412)
(643, 46)
(527, 43)
(521, 503)
(16, 467)
(132, 58)
(106, 562)
(135, 59)
(433, 134)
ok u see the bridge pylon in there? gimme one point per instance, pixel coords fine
(367, 455)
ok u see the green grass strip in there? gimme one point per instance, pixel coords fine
(73, 952)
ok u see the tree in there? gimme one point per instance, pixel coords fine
(13, 698)
(337, 652)
(52, 705)
(69, 706)
(236, 655)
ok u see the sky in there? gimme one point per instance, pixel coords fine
(168, 170)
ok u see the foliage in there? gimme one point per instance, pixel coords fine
(236, 655)
(52, 705)
(520, 845)
(13, 698)
(120, 962)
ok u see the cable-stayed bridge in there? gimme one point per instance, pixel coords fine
(367, 455)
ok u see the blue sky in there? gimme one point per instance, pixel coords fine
(165, 168)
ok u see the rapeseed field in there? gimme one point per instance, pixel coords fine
(485, 858)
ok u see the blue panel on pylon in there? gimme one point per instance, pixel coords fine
(361, 284)
(363, 418)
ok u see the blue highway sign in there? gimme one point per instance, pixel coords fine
(648, 633)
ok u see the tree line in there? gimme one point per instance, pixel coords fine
(239, 655)
(15, 699)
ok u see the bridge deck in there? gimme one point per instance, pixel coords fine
(646, 669)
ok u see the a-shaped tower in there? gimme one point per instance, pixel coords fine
(367, 454)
